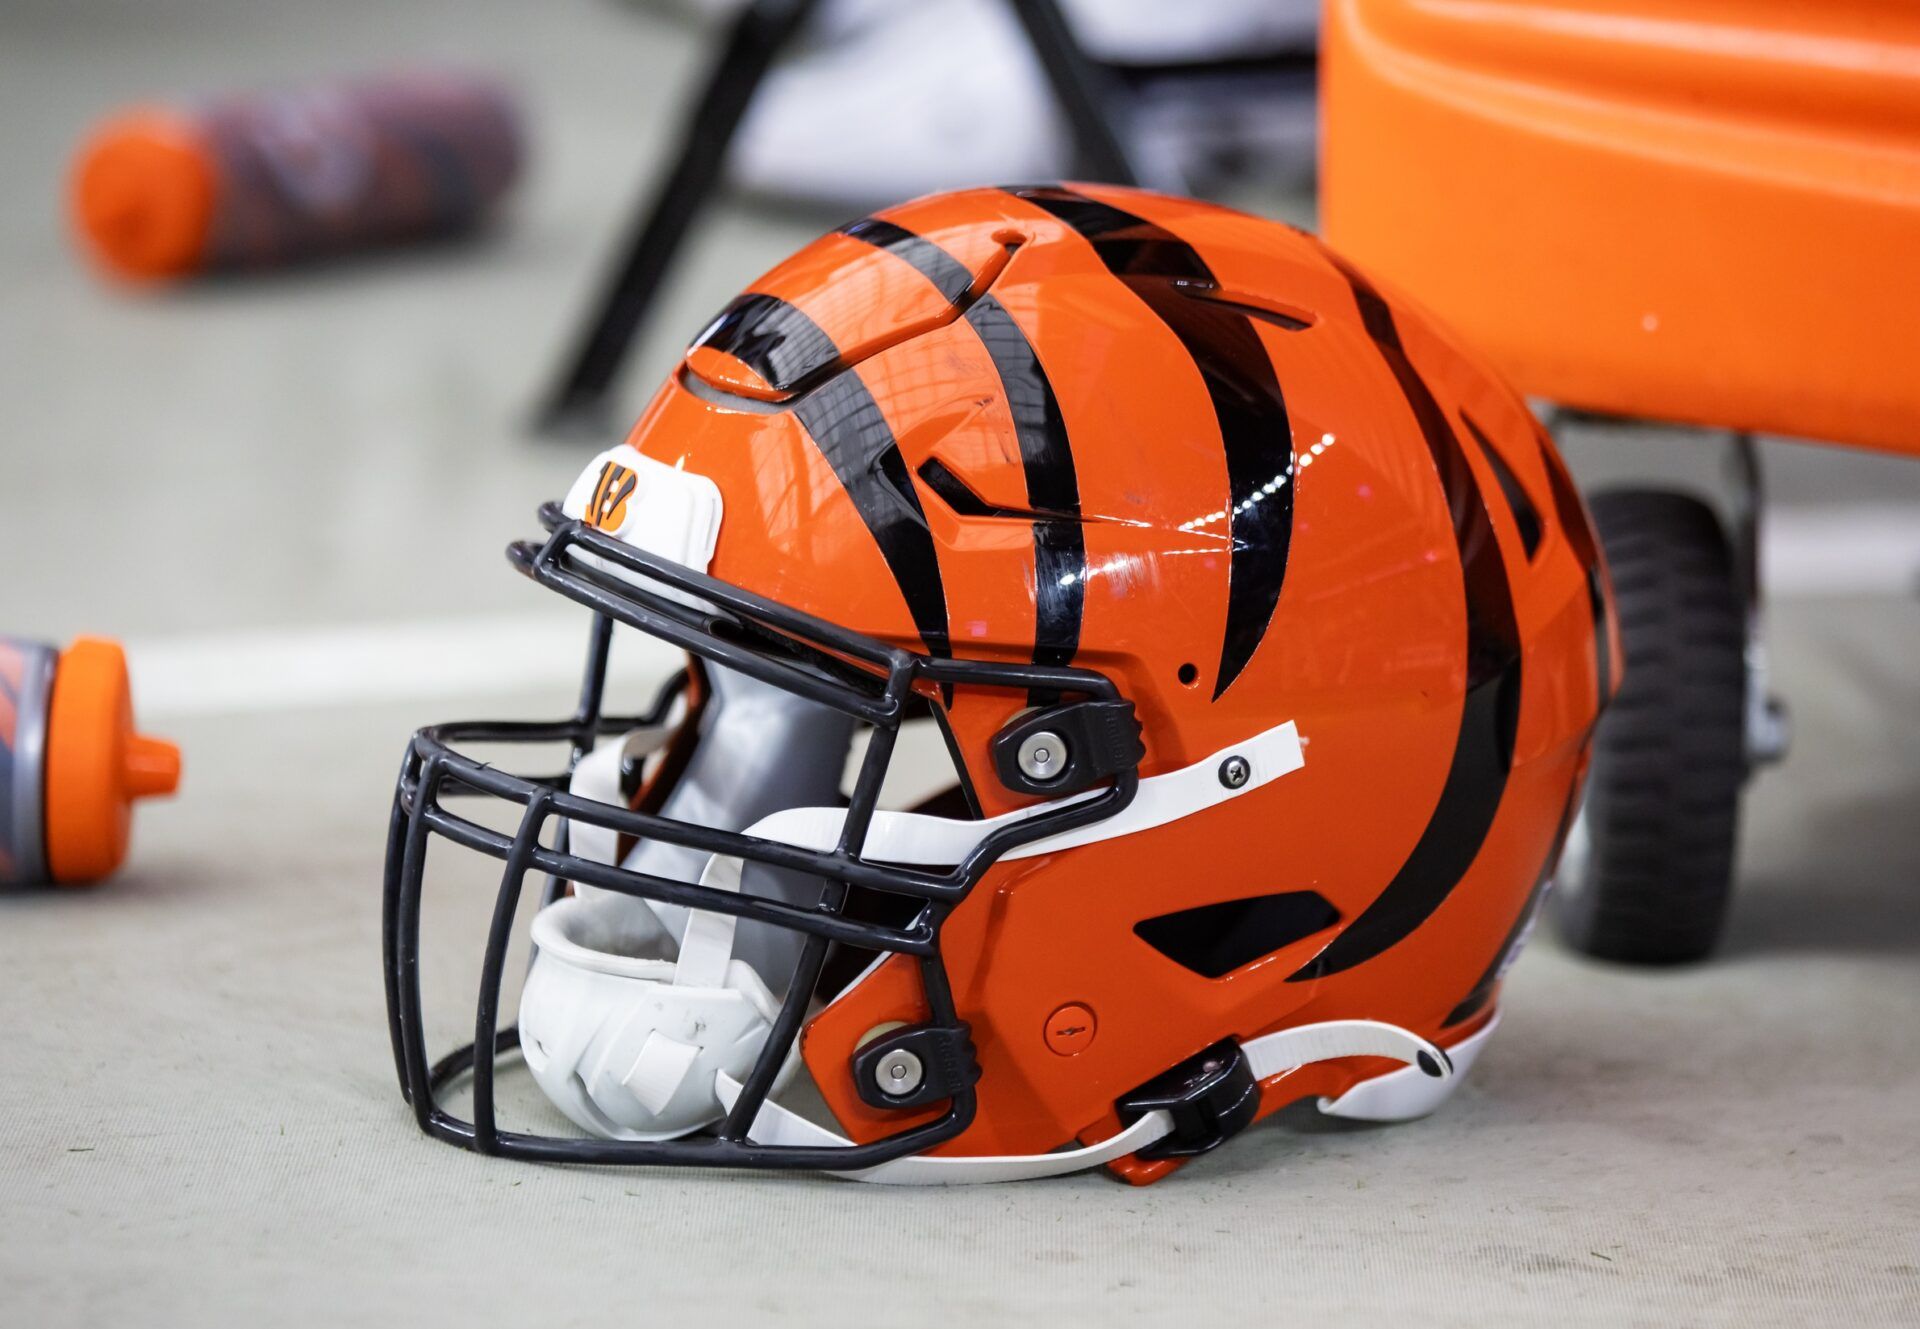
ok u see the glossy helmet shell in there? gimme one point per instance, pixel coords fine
(1194, 450)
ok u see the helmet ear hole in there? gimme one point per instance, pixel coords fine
(1188, 674)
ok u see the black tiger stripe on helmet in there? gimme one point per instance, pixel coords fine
(1046, 452)
(774, 339)
(1573, 520)
(1046, 455)
(1482, 990)
(1256, 435)
(791, 352)
(1476, 778)
(1578, 528)
(947, 273)
(1526, 517)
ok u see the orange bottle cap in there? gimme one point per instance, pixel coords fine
(144, 189)
(96, 766)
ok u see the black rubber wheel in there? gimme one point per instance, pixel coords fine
(1648, 869)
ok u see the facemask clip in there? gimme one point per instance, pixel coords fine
(915, 1066)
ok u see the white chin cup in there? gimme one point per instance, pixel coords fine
(624, 1038)
(625, 1025)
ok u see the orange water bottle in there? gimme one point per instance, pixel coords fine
(267, 179)
(71, 764)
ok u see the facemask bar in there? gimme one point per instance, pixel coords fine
(857, 675)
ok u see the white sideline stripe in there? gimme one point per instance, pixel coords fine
(1858, 549)
(244, 672)
(1850, 549)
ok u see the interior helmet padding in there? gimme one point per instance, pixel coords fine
(761, 750)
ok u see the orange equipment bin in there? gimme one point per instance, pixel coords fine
(1705, 211)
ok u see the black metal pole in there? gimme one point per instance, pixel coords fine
(1085, 91)
(577, 402)
(578, 399)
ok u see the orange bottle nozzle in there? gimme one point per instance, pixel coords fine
(96, 765)
(152, 768)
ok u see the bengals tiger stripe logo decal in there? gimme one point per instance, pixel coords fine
(607, 509)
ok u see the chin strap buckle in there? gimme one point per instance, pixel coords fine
(1210, 1097)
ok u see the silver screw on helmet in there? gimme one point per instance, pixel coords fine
(1043, 755)
(899, 1074)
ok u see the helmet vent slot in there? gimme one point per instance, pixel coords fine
(1291, 318)
(1525, 515)
(959, 496)
(1216, 939)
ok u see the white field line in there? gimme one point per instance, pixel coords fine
(1806, 551)
(241, 672)
(1855, 549)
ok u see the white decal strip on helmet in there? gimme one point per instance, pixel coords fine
(912, 837)
(1405, 1094)
(1267, 1057)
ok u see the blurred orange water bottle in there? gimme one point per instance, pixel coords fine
(266, 179)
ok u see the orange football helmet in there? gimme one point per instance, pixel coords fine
(1263, 627)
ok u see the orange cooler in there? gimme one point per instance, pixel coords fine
(1706, 212)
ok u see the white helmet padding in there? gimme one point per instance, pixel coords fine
(633, 1005)
(625, 1043)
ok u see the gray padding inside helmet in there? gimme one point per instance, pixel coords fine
(761, 750)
